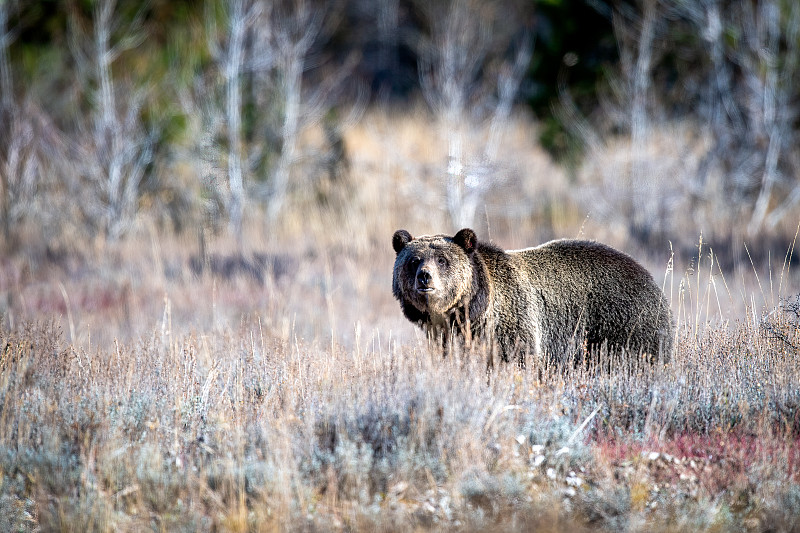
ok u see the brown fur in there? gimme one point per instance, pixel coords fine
(551, 301)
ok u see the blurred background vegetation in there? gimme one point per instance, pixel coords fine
(673, 117)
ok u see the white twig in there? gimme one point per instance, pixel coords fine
(583, 425)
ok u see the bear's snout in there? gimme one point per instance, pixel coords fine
(424, 280)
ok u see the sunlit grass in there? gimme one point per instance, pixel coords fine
(241, 429)
(144, 386)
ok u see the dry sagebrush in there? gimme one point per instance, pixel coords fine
(248, 430)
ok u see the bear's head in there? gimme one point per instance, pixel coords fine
(433, 274)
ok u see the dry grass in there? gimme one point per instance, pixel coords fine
(282, 388)
(249, 429)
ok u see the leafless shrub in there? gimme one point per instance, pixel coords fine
(113, 148)
(19, 165)
(247, 423)
(295, 27)
(261, 51)
(741, 159)
(19, 168)
(465, 79)
(782, 325)
(750, 104)
(241, 19)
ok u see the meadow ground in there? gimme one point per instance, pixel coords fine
(154, 384)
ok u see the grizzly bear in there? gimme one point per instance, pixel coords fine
(555, 302)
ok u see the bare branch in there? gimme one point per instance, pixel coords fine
(114, 149)
(295, 27)
(463, 47)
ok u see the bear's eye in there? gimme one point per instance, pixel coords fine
(414, 263)
(442, 261)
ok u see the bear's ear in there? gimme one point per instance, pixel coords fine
(466, 239)
(399, 240)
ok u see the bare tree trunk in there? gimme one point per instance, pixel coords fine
(638, 178)
(6, 106)
(455, 166)
(232, 71)
(6, 36)
(106, 128)
(641, 77)
(291, 91)
(296, 25)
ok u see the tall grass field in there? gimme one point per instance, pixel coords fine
(176, 381)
